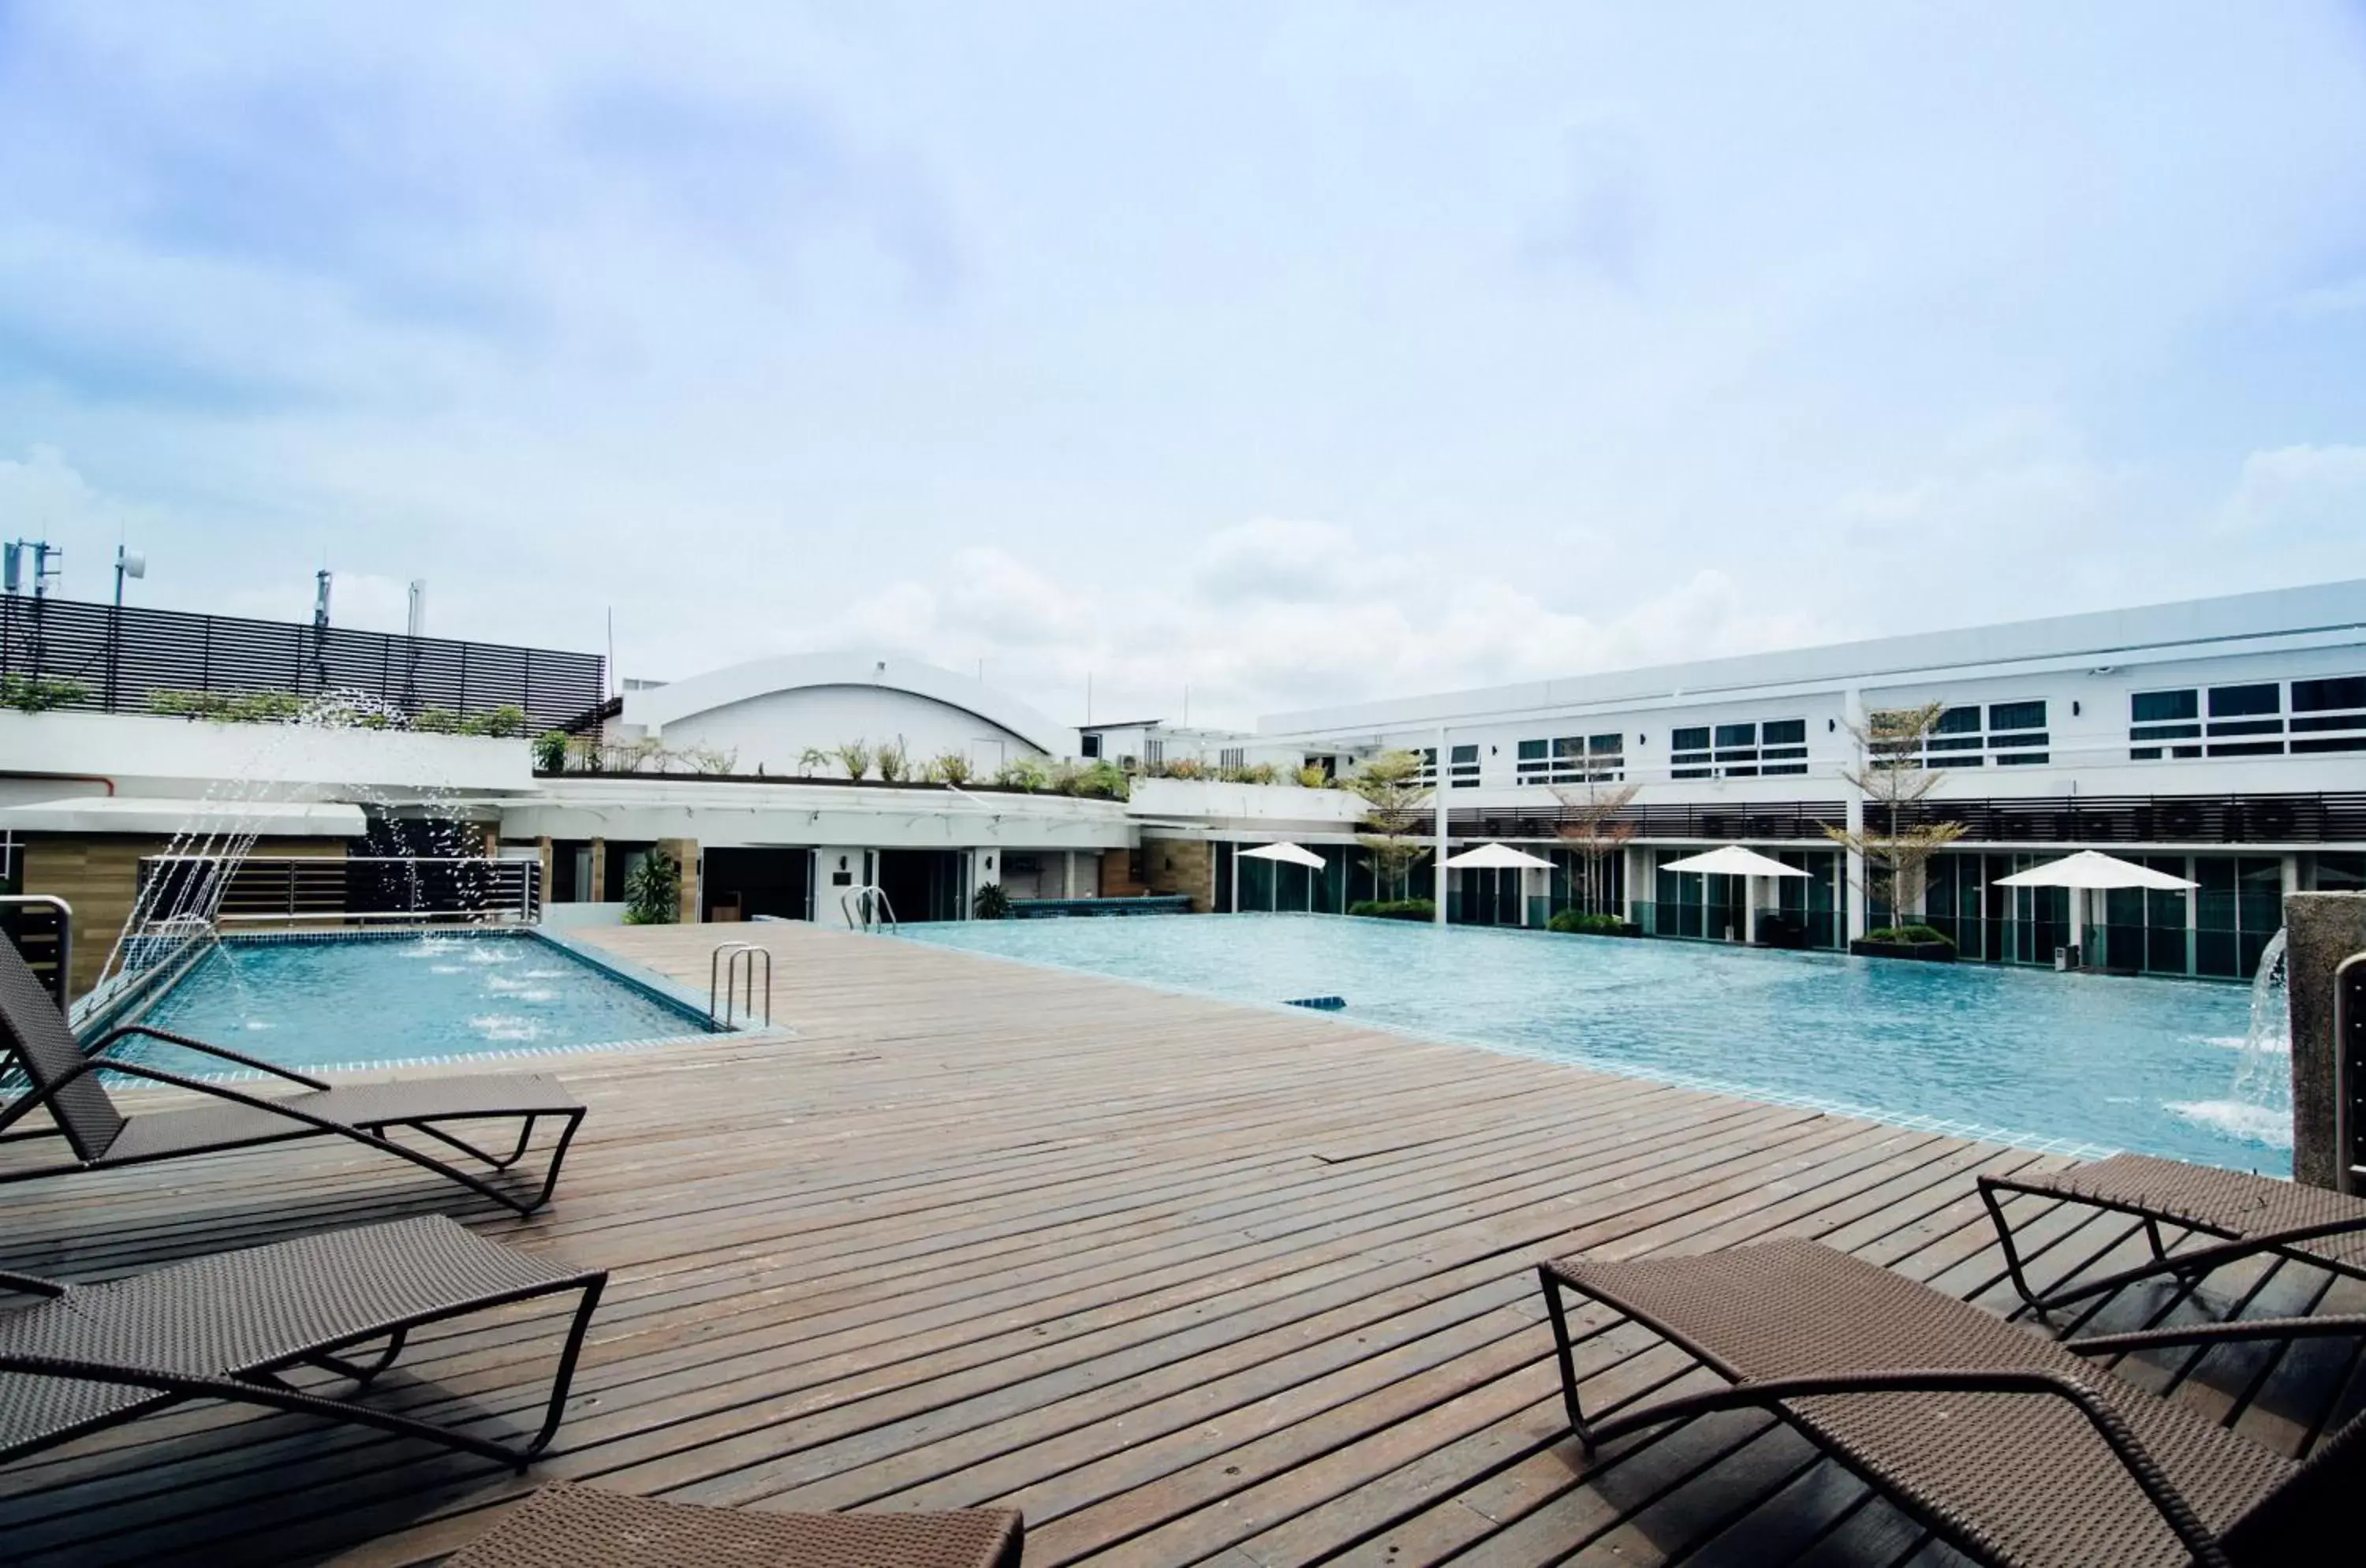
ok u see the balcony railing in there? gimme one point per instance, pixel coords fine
(284, 889)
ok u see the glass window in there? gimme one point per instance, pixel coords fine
(2233, 702)
(1736, 735)
(1091, 746)
(1958, 721)
(1695, 739)
(1785, 732)
(1531, 751)
(1600, 745)
(2016, 716)
(2317, 696)
(1569, 746)
(2163, 707)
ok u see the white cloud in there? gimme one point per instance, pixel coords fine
(2296, 495)
(1325, 619)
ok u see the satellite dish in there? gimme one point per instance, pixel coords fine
(134, 562)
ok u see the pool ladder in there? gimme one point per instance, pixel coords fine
(866, 908)
(728, 978)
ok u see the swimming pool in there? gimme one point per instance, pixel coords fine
(362, 1001)
(2077, 1062)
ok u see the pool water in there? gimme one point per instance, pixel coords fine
(2079, 1062)
(362, 1001)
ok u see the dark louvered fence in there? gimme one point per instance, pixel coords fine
(94, 655)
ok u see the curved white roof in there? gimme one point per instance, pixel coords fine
(658, 707)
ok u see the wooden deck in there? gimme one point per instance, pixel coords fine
(1188, 1283)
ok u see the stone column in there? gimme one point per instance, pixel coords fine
(598, 891)
(2320, 931)
(543, 850)
(683, 852)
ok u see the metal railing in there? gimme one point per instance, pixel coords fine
(42, 928)
(728, 977)
(262, 889)
(117, 659)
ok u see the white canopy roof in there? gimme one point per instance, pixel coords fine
(1734, 861)
(1289, 854)
(1495, 857)
(164, 816)
(2093, 868)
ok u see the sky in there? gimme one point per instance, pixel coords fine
(1232, 358)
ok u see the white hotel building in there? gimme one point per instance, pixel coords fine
(2223, 739)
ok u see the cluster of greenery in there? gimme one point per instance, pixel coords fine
(1911, 935)
(38, 693)
(653, 891)
(500, 723)
(1395, 909)
(287, 708)
(989, 902)
(1579, 921)
(1308, 777)
(1102, 780)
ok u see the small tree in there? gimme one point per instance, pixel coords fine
(814, 757)
(1594, 831)
(1889, 772)
(1395, 797)
(550, 750)
(653, 892)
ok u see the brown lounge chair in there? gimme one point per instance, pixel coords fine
(575, 1526)
(226, 1327)
(1994, 1437)
(2249, 1214)
(63, 1079)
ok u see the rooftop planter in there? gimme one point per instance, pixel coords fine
(1904, 941)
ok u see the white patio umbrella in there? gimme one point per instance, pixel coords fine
(1734, 861)
(2091, 869)
(2088, 870)
(1747, 865)
(1493, 857)
(1281, 854)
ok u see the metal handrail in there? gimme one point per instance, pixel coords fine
(723, 964)
(61, 982)
(866, 906)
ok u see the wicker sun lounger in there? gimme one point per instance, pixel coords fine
(226, 1327)
(2003, 1441)
(63, 1079)
(2249, 1214)
(575, 1526)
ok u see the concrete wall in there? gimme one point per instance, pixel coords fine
(148, 755)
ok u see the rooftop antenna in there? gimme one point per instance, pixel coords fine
(1089, 696)
(43, 553)
(613, 684)
(418, 621)
(128, 563)
(320, 580)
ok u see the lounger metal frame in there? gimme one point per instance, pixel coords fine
(261, 1384)
(305, 1124)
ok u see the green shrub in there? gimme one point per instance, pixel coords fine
(501, 722)
(1313, 777)
(1025, 774)
(1908, 934)
(1579, 921)
(854, 756)
(189, 704)
(1395, 909)
(435, 721)
(989, 902)
(1104, 780)
(949, 768)
(550, 750)
(653, 891)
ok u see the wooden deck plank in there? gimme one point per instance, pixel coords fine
(1191, 1282)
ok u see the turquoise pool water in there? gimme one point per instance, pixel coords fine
(2074, 1061)
(359, 1002)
